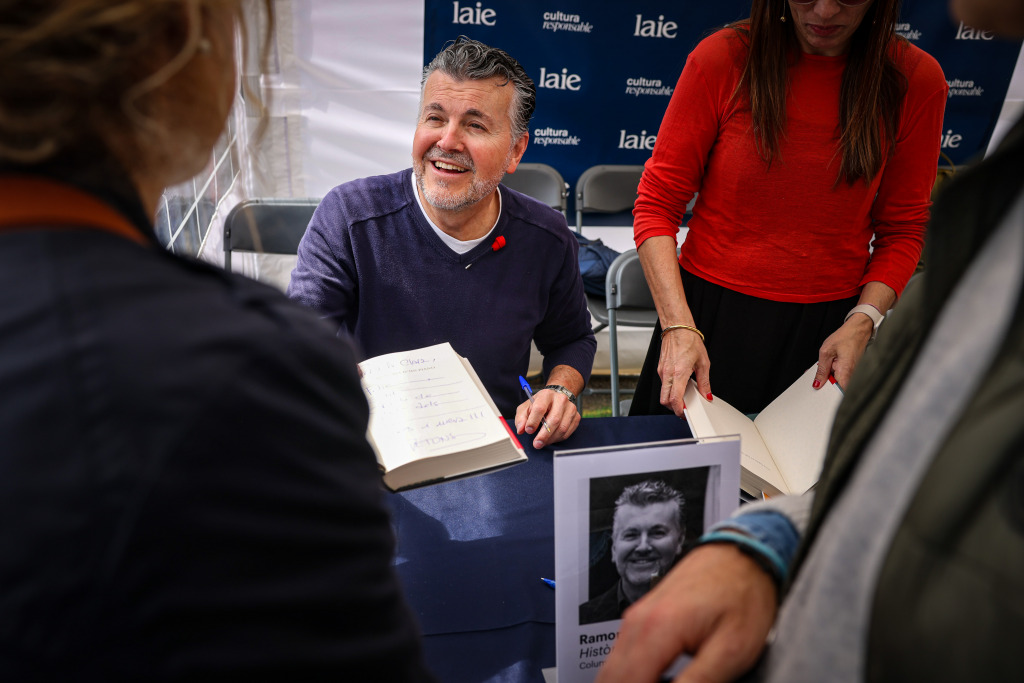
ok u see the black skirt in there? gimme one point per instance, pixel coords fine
(757, 347)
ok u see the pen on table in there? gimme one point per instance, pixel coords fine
(549, 582)
(529, 395)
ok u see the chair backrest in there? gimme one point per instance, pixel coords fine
(606, 188)
(267, 226)
(626, 286)
(542, 182)
(629, 303)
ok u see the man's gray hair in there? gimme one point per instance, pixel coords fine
(466, 59)
(649, 492)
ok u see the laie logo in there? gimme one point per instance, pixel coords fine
(907, 32)
(650, 28)
(965, 32)
(560, 21)
(473, 15)
(951, 140)
(554, 136)
(558, 81)
(632, 141)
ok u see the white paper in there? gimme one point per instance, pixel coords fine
(784, 446)
(796, 426)
(424, 403)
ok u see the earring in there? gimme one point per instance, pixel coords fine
(783, 17)
(204, 46)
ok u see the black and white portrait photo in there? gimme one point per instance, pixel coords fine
(639, 528)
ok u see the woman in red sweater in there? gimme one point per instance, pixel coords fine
(811, 132)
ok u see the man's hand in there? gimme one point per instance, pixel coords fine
(682, 354)
(557, 412)
(717, 604)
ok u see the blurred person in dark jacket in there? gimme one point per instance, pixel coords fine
(188, 490)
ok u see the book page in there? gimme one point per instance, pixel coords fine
(796, 426)
(718, 418)
(423, 404)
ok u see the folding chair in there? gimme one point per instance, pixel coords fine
(542, 182)
(606, 189)
(629, 302)
(267, 226)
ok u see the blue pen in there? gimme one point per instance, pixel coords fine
(529, 395)
(549, 582)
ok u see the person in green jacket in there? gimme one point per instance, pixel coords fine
(906, 562)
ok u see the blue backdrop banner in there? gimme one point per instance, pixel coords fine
(605, 71)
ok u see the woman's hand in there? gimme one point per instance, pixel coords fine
(682, 350)
(842, 350)
(682, 354)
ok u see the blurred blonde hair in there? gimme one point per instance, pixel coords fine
(75, 74)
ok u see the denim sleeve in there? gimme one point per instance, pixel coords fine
(766, 535)
(772, 528)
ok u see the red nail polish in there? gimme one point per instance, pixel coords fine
(817, 384)
(708, 397)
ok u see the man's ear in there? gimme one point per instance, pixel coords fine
(518, 150)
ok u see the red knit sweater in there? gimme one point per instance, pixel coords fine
(789, 232)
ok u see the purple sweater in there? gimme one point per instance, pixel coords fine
(371, 264)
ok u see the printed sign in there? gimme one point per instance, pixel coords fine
(623, 517)
(605, 71)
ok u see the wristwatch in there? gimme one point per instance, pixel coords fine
(562, 390)
(870, 311)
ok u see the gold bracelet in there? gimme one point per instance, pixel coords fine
(682, 327)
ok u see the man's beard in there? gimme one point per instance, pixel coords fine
(440, 197)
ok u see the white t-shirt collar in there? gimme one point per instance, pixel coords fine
(458, 246)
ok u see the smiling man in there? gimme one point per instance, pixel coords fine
(442, 252)
(647, 539)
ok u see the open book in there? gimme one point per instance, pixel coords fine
(431, 418)
(782, 449)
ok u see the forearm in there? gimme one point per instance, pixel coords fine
(566, 376)
(661, 268)
(682, 346)
(879, 295)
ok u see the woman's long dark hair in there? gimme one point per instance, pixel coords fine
(870, 98)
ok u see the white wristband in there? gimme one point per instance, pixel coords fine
(870, 311)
